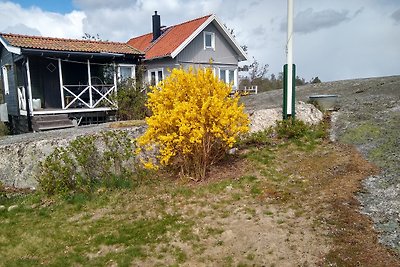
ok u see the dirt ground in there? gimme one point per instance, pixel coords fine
(298, 207)
(368, 117)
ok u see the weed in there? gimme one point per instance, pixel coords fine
(257, 139)
(82, 166)
(250, 256)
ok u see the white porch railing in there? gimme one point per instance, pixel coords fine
(21, 98)
(253, 89)
(90, 96)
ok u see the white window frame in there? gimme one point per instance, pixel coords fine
(133, 71)
(156, 76)
(212, 40)
(5, 79)
(226, 70)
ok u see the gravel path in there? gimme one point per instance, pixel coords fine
(369, 117)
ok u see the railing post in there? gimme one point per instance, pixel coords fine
(28, 73)
(115, 77)
(90, 85)
(61, 84)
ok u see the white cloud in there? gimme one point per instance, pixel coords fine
(341, 39)
(309, 20)
(34, 20)
(396, 16)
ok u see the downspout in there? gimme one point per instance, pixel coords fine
(28, 108)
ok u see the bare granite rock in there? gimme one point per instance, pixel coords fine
(264, 118)
(20, 155)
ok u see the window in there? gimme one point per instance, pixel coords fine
(126, 71)
(222, 75)
(155, 76)
(228, 76)
(5, 80)
(209, 40)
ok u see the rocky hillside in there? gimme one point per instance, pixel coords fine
(369, 118)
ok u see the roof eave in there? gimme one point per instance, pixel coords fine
(158, 57)
(35, 51)
(241, 53)
(10, 48)
(192, 36)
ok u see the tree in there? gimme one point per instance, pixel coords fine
(89, 37)
(232, 32)
(315, 80)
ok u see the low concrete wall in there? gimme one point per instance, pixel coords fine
(20, 155)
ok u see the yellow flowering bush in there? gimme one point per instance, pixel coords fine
(194, 121)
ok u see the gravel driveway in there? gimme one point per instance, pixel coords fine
(369, 118)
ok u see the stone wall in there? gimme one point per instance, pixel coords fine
(20, 155)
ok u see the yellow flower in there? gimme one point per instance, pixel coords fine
(193, 120)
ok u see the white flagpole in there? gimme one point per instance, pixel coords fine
(289, 57)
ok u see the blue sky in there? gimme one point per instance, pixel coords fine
(333, 40)
(60, 6)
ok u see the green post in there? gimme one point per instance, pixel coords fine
(285, 114)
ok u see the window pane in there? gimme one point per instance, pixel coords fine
(222, 75)
(160, 76)
(153, 78)
(208, 40)
(231, 76)
(125, 72)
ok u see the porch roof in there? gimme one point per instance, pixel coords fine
(73, 45)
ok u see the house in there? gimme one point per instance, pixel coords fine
(193, 43)
(47, 81)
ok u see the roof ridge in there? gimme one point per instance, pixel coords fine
(58, 38)
(168, 27)
(192, 20)
(167, 30)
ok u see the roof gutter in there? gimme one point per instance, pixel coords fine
(42, 52)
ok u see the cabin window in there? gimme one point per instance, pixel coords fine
(155, 76)
(126, 72)
(5, 80)
(209, 40)
(228, 76)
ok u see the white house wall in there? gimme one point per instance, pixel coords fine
(195, 52)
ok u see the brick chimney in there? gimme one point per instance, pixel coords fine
(156, 26)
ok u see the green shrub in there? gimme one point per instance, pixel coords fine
(56, 173)
(3, 129)
(291, 129)
(88, 162)
(300, 133)
(131, 99)
(257, 139)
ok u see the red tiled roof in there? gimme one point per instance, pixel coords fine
(73, 45)
(170, 40)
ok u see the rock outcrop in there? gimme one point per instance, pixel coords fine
(265, 118)
(20, 155)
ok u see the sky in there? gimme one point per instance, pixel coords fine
(333, 40)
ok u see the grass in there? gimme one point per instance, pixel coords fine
(160, 221)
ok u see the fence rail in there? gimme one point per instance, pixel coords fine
(253, 89)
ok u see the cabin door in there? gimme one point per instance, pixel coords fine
(51, 85)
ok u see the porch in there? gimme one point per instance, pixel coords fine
(63, 86)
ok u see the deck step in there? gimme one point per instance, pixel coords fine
(51, 122)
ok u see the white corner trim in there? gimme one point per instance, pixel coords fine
(10, 48)
(231, 38)
(201, 28)
(192, 36)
